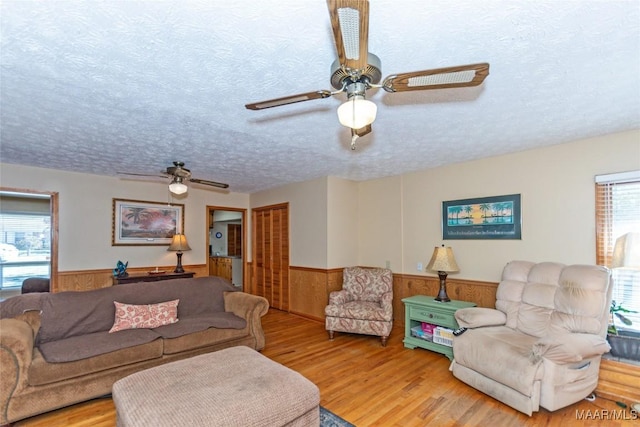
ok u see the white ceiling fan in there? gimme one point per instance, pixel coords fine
(356, 70)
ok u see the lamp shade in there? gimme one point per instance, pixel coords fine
(443, 260)
(177, 187)
(626, 252)
(179, 243)
(357, 112)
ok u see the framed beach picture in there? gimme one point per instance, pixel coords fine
(141, 223)
(497, 217)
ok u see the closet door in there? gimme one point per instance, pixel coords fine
(271, 254)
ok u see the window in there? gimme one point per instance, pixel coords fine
(25, 238)
(617, 214)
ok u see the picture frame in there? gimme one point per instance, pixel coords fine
(497, 217)
(141, 223)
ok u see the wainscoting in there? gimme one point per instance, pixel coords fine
(85, 280)
(310, 288)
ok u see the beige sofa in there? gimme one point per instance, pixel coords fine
(542, 344)
(56, 348)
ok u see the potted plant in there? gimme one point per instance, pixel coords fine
(624, 343)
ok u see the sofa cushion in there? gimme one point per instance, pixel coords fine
(205, 338)
(89, 345)
(41, 372)
(68, 314)
(188, 325)
(131, 316)
(363, 310)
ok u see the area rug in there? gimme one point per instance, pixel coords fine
(329, 419)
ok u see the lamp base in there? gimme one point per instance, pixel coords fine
(179, 268)
(442, 294)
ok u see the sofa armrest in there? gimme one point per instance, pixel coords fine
(16, 351)
(569, 347)
(339, 297)
(251, 308)
(477, 317)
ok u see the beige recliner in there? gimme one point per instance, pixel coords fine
(542, 344)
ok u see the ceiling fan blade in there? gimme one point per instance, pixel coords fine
(440, 78)
(350, 23)
(211, 183)
(142, 174)
(289, 100)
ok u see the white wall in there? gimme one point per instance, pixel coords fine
(342, 222)
(380, 223)
(85, 216)
(557, 188)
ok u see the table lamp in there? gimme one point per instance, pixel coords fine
(626, 252)
(443, 262)
(179, 244)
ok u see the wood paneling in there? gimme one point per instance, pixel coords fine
(370, 385)
(405, 285)
(310, 288)
(85, 280)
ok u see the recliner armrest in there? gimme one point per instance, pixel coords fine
(477, 317)
(569, 347)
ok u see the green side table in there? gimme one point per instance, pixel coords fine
(422, 308)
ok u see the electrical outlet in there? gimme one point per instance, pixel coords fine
(387, 264)
(419, 267)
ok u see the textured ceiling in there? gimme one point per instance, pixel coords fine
(104, 87)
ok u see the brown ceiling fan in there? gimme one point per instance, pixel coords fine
(357, 70)
(179, 176)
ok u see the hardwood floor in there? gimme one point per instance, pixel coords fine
(370, 385)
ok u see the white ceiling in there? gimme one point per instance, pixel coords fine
(110, 86)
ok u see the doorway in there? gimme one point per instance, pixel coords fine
(226, 244)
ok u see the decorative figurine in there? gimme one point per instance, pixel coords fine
(121, 269)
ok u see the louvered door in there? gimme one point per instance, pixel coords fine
(271, 254)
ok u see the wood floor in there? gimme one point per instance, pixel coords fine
(369, 385)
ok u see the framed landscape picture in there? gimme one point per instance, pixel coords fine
(497, 217)
(135, 222)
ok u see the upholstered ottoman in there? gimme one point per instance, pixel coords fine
(236, 386)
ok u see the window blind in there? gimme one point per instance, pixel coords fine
(618, 213)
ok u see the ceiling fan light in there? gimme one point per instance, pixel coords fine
(177, 187)
(357, 112)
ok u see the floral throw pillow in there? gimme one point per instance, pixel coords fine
(130, 316)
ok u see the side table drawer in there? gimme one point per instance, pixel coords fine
(429, 316)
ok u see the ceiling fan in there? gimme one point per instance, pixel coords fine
(356, 70)
(179, 175)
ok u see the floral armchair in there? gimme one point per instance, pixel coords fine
(364, 305)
